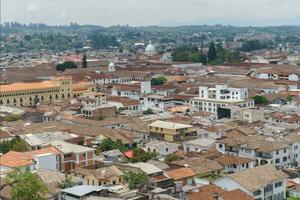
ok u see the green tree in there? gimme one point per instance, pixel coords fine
(84, 62)
(66, 65)
(26, 186)
(260, 100)
(172, 157)
(135, 180)
(67, 183)
(253, 45)
(158, 80)
(12, 118)
(212, 52)
(139, 155)
(289, 98)
(186, 54)
(16, 144)
(149, 111)
(108, 144)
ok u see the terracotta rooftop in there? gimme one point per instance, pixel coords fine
(209, 192)
(255, 178)
(19, 159)
(29, 86)
(180, 173)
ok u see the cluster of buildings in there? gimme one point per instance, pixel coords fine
(207, 130)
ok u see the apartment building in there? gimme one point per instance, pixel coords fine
(74, 156)
(29, 94)
(170, 131)
(210, 99)
(157, 102)
(256, 147)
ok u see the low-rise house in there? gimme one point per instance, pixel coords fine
(233, 164)
(293, 188)
(256, 147)
(132, 91)
(81, 192)
(198, 144)
(74, 156)
(170, 131)
(124, 103)
(213, 192)
(161, 147)
(184, 174)
(47, 158)
(263, 182)
(99, 112)
(201, 166)
(110, 175)
(37, 141)
(114, 156)
(149, 169)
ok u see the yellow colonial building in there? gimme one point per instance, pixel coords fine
(171, 132)
(29, 94)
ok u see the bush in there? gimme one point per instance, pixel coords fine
(158, 80)
(148, 112)
(12, 118)
(260, 100)
(172, 157)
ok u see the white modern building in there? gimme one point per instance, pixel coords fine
(211, 98)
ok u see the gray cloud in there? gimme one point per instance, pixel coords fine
(148, 12)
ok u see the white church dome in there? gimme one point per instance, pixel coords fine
(150, 49)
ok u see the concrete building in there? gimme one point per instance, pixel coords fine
(74, 156)
(161, 147)
(210, 99)
(264, 182)
(170, 131)
(29, 94)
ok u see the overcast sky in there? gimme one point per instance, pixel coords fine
(151, 12)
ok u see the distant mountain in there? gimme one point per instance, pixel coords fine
(235, 22)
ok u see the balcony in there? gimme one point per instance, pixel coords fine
(263, 155)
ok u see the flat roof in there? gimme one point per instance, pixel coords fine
(66, 147)
(82, 190)
(169, 125)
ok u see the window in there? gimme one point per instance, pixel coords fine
(256, 193)
(277, 160)
(284, 159)
(220, 146)
(248, 151)
(167, 149)
(295, 147)
(278, 184)
(277, 152)
(284, 150)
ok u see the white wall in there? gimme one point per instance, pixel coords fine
(47, 161)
